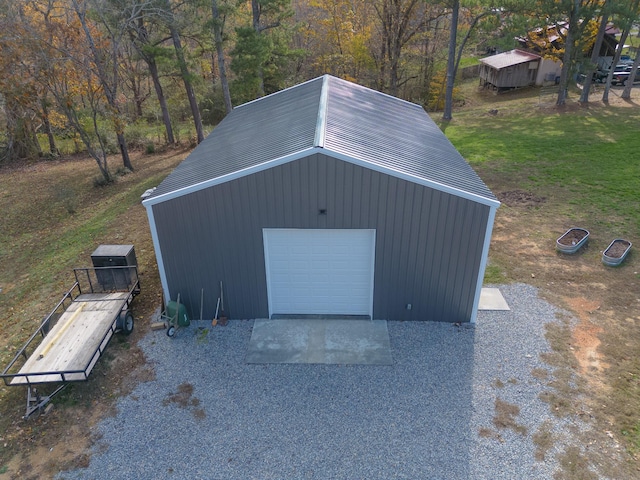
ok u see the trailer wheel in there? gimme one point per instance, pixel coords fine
(125, 322)
(171, 331)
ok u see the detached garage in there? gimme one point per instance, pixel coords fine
(327, 198)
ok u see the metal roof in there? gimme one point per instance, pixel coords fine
(334, 117)
(509, 59)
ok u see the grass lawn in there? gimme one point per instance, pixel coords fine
(591, 156)
(552, 169)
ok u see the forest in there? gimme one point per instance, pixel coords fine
(105, 76)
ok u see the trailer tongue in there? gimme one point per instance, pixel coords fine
(70, 340)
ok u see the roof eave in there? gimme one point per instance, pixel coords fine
(309, 151)
(228, 177)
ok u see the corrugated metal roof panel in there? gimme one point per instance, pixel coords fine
(397, 135)
(254, 133)
(509, 59)
(349, 120)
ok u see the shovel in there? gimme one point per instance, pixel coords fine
(214, 322)
(223, 315)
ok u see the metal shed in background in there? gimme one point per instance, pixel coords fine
(325, 198)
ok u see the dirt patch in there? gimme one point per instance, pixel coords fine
(57, 453)
(586, 337)
(505, 417)
(184, 399)
(485, 432)
(543, 440)
(575, 465)
(515, 198)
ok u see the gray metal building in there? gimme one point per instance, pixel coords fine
(325, 198)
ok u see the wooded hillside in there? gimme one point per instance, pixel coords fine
(102, 76)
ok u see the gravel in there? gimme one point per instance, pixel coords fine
(430, 415)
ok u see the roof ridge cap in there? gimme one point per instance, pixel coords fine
(321, 123)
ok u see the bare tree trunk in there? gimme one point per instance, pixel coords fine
(616, 59)
(448, 96)
(626, 93)
(400, 22)
(53, 149)
(595, 54)
(184, 72)
(218, 24)
(139, 38)
(155, 77)
(383, 61)
(255, 11)
(451, 75)
(564, 71)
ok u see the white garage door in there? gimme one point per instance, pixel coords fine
(319, 271)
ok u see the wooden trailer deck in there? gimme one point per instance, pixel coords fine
(73, 337)
(71, 349)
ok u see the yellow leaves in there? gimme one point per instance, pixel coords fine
(342, 31)
(56, 119)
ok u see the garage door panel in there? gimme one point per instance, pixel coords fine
(320, 271)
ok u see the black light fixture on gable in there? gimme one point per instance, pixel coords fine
(322, 211)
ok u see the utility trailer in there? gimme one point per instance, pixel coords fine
(71, 339)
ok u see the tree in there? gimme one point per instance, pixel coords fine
(626, 92)
(565, 33)
(628, 13)
(595, 54)
(258, 50)
(339, 32)
(400, 22)
(62, 64)
(20, 95)
(627, 22)
(171, 23)
(451, 62)
(105, 66)
(218, 20)
(149, 52)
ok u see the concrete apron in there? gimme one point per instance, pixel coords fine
(323, 341)
(326, 339)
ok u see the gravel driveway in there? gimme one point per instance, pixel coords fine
(430, 415)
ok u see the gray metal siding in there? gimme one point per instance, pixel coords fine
(428, 243)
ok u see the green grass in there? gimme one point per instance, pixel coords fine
(139, 135)
(593, 156)
(494, 275)
(468, 62)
